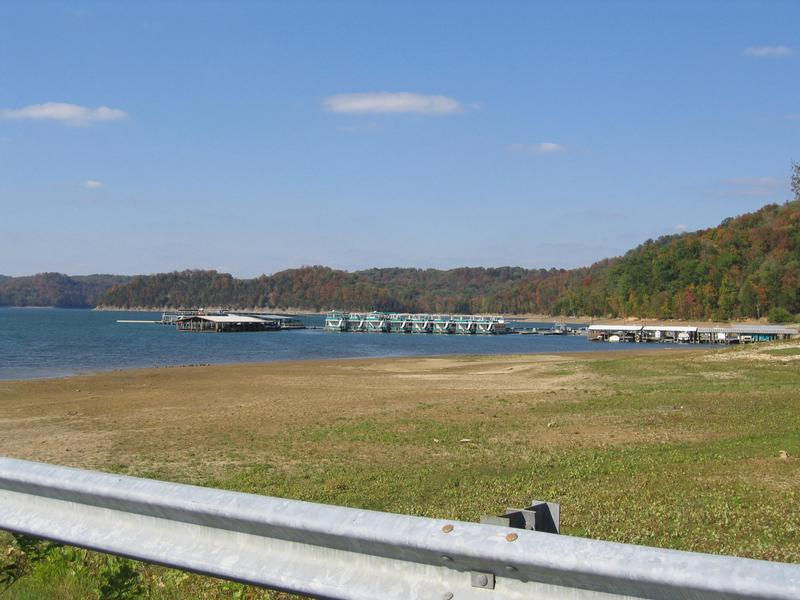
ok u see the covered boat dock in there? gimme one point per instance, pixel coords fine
(669, 333)
(385, 322)
(614, 333)
(689, 334)
(225, 323)
(743, 334)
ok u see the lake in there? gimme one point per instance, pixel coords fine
(52, 342)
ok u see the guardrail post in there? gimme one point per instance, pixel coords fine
(539, 516)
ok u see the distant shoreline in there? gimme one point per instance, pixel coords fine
(524, 318)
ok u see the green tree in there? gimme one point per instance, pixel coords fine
(780, 315)
(727, 299)
(748, 300)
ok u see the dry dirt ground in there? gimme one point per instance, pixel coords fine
(210, 416)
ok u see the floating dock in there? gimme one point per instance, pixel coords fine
(136, 321)
(685, 334)
(382, 322)
(219, 321)
(223, 321)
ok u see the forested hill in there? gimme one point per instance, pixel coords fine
(55, 289)
(320, 288)
(748, 266)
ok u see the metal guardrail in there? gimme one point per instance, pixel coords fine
(334, 552)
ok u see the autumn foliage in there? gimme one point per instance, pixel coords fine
(748, 266)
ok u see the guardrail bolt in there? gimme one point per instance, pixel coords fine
(482, 580)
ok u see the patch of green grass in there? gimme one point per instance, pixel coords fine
(783, 351)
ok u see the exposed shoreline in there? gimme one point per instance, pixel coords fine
(309, 363)
(193, 393)
(634, 351)
(458, 436)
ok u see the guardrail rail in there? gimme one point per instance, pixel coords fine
(336, 552)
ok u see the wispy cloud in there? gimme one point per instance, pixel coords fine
(769, 51)
(72, 114)
(752, 186)
(764, 181)
(539, 148)
(93, 184)
(392, 102)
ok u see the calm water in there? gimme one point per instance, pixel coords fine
(52, 342)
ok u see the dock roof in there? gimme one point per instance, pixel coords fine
(745, 329)
(224, 318)
(264, 316)
(669, 328)
(615, 327)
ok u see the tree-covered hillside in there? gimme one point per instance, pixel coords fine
(55, 289)
(748, 266)
(318, 288)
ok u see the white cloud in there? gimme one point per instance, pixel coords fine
(392, 102)
(93, 184)
(769, 51)
(540, 148)
(680, 228)
(66, 113)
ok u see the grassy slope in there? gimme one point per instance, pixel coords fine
(678, 451)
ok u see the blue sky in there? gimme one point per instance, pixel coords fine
(253, 136)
